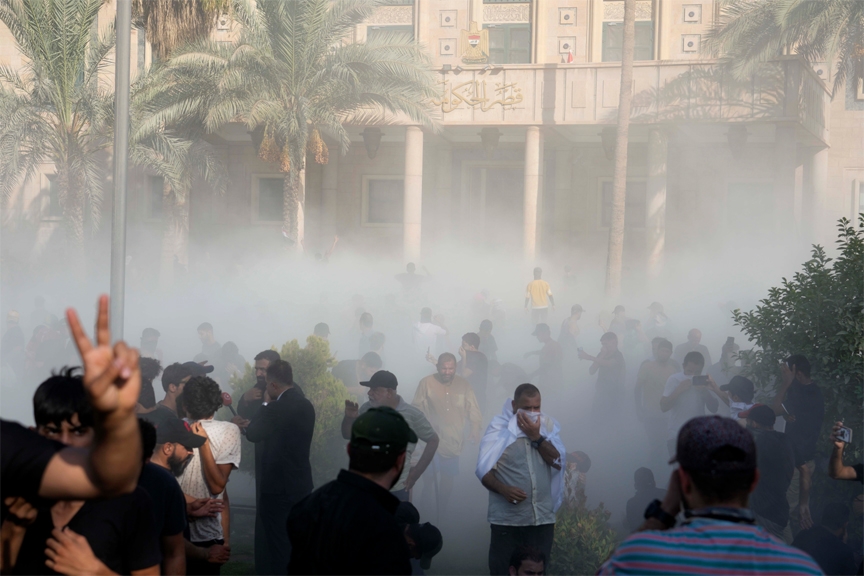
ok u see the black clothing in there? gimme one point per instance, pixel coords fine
(505, 539)
(477, 363)
(776, 462)
(347, 527)
(808, 406)
(859, 472)
(610, 388)
(196, 567)
(158, 416)
(119, 531)
(346, 372)
(832, 555)
(147, 397)
(169, 504)
(637, 504)
(283, 428)
(24, 455)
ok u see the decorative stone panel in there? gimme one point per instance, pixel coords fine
(393, 15)
(614, 11)
(691, 42)
(447, 47)
(566, 44)
(448, 18)
(693, 13)
(567, 16)
(506, 13)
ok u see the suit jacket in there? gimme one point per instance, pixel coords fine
(284, 429)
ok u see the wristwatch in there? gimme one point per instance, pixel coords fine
(536, 443)
(655, 510)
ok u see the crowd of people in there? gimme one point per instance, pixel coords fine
(114, 481)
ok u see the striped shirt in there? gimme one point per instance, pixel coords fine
(708, 546)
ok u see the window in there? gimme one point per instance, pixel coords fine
(53, 208)
(384, 201)
(155, 192)
(613, 40)
(270, 199)
(509, 43)
(634, 205)
(400, 32)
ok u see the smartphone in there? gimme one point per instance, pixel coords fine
(700, 380)
(844, 434)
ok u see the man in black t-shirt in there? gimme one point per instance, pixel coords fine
(646, 492)
(801, 403)
(611, 373)
(826, 543)
(174, 379)
(474, 367)
(836, 468)
(776, 462)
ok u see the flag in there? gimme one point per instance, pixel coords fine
(569, 56)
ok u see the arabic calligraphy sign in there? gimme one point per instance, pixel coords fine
(474, 93)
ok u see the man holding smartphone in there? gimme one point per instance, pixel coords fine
(687, 394)
(801, 403)
(836, 469)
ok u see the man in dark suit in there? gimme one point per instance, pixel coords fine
(283, 428)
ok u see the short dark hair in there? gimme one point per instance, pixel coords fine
(60, 397)
(663, 343)
(150, 369)
(201, 397)
(148, 438)
(537, 272)
(321, 329)
(644, 478)
(472, 339)
(528, 390)
(280, 372)
(800, 362)
(173, 374)
(523, 553)
(426, 313)
(366, 319)
(609, 336)
(205, 326)
(835, 515)
(694, 358)
(486, 325)
(370, 462)
(446, 357)
(269, 355)
(229, 350)
(718, 488)
(372, 360)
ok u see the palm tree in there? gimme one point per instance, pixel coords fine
(172, 23)
(56, 108)
(749, 33)
(292, 80)
(614, 258)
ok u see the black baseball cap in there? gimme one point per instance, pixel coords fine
(382, 379)
(197, 369)
(174, 374)
(178, 431)
(715, 445)
(428, 540)
(740, 386)
(382, 431)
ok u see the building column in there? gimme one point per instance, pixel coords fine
(413, 210)
(532, 189)
(329, 198)
(655, 217)
(563, 197)
(813, 205)
(785, 164)
(447, 215)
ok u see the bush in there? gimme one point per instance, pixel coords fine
(583, 539)
(311, 371)
(818, 313)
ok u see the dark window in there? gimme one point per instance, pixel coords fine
(155, 192)
(398, 33)
(634, 205)
(270, 199)
(509, 43)
(613, 40)
(385, 202)
(54, 208)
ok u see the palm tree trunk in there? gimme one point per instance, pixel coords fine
(619, 182)
(73, 215)
(174, 235)
(293, 206)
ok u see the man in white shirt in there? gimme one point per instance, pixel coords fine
(425, 334)
(207, 473)
(687, 394)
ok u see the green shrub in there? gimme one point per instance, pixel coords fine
(583, 539)
(311, 371)
(818, 313)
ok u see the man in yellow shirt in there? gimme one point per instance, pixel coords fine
(449, 402)
(539, 295)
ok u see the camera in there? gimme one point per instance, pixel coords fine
(700, 380)
(844, 434)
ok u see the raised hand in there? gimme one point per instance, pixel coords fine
(352, 409)
(112, 376)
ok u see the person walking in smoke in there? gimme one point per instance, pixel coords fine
(520, 464)
(538, 294)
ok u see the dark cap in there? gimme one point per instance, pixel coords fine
(407, 513)
(178, 431)
(382, 431)
(656, 306)
(715, 445)
(382, 379)
(428, 540)
(197, 369)
(174, 374)
(761, 414)
(541, 328)
(740, 386)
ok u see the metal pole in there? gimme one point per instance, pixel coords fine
(121, 155)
